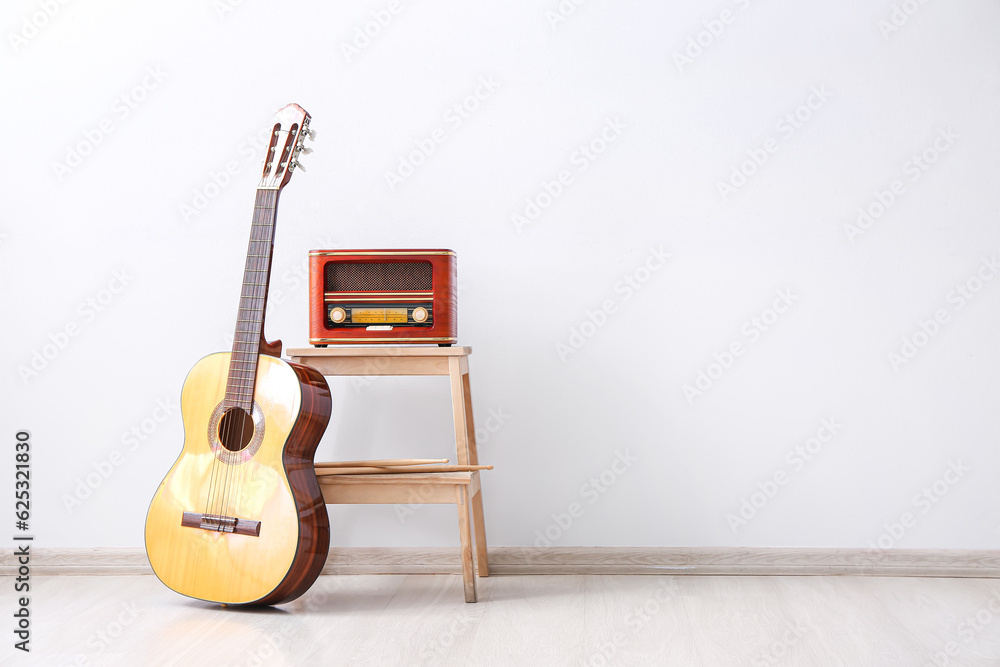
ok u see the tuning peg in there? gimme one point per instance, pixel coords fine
(298, 165)
(310, 133)
(305, 150)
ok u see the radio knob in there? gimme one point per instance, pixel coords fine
(420, 314)
(338, 315)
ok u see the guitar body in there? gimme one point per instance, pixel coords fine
(270, 480)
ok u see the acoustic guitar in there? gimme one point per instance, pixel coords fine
(240, 517)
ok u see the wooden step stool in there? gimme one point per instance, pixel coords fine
(431, 488)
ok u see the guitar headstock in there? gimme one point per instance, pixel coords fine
(288, 133)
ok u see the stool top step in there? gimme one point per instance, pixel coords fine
(378, 351)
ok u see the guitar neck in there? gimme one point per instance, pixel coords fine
(253, 299)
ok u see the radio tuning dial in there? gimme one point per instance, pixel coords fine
(338, 315)
(420, 314)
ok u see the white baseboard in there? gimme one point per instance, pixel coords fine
(577, 560)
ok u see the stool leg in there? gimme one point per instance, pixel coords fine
(469, 428)
(461, 411)
(468, 574)
(482, 564)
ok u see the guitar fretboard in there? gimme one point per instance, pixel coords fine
(250, 319)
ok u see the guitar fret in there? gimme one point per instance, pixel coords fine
(247, 339)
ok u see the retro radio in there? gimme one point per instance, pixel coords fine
(382, 296)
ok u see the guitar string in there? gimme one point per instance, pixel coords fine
(237, 385)
(219, 465)
(215, 494)
(259, 249)
(237, 365)
(232, 387)
(263, 260)
(246, 349)
(258, 261)
(248, 338)
(234, 381)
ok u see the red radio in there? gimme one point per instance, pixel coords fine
(382, 296)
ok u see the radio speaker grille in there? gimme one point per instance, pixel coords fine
(378, 276)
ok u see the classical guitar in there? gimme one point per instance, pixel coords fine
(240, 518)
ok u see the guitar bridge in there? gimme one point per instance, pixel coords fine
(221, 524)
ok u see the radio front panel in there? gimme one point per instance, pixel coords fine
(344, 313)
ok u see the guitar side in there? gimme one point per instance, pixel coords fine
(276, 486)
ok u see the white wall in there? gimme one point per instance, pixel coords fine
(683, 129)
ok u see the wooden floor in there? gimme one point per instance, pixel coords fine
(575, 620)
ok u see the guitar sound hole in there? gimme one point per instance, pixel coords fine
(235, 429)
